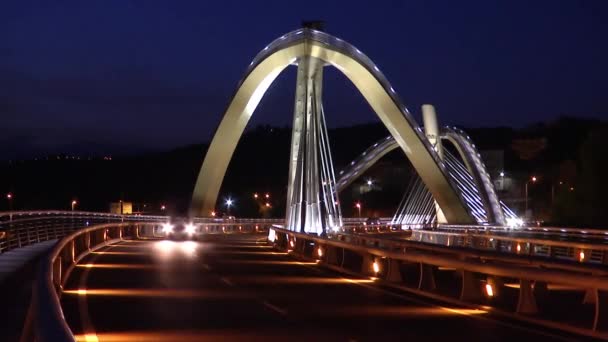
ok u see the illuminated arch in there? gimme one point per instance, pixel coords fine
(467, 151)
(374, 87)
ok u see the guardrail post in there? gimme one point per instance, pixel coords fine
(471, 287)
(526, 303)
(600, 321)
(427, 278)
(394, 271)
(57, 273)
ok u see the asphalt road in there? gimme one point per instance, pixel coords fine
(236, 287)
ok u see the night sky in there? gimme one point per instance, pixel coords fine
(129, 76)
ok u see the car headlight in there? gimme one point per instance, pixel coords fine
(190, 229)
(167, 228)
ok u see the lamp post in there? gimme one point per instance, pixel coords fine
(9, 198)
(533, 180)
(358, 206)
(228, 205)
(74, 202)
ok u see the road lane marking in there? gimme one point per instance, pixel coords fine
(227, 281)
(274, 308)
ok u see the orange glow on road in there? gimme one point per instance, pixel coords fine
(160, 293)
(244, 252)
(121, 253)
(117, 266)
(392, 310)
(297, 280)
(267, 262)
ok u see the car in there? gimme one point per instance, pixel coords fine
(180, 229)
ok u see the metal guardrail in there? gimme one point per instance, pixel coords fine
(22, 228)
(563, 244)
(387, 259)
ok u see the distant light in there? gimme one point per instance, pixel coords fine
(370, 182)
(272, 235)
(518, 248)
(255, 195)
(167, 228)
(291, 243)
(571, 188)
(9, 196)
(376, 267)
(267, 204)
(358, 205)
(502, 173)
(229, 202)
(74, 202)
(213, 213)
(515, 222)
(320, 252)
(581, 256)
(534, 178)
(489, 290)
(190, 229)
(162, 207)
(267, 195)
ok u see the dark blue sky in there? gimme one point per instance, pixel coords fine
(158, 74)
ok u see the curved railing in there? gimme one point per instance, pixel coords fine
(484, 280)
(23, 228)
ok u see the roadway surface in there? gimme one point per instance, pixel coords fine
(236, 287)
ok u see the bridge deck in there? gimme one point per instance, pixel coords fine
(235, 287)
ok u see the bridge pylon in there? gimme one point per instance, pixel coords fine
(312, 202)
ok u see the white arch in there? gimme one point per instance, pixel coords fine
(368, 80)
(467, 151)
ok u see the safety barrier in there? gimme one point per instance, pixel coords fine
(22, 228)
(519, 287)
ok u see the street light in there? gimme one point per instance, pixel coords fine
(9, 198)
(163, 207)
(228, 205)
(370, 182)
(74, 202)
(358, 206)
(267, 195)
(255, 195)
(533, 180)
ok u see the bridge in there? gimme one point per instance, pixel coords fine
(478, 273)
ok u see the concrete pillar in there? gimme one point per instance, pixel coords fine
(526, 303)
(427, 278)
(431, 130)
(471, 287)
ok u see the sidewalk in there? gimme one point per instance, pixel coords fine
(15, 259)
